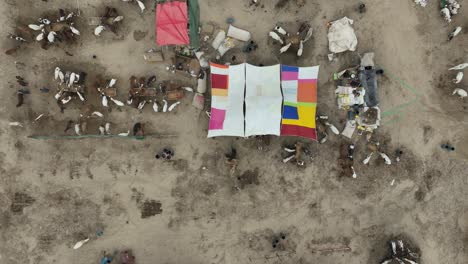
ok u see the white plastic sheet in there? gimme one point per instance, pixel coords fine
(341, 36)
(263, 100)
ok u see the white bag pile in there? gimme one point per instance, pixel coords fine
(341, 36)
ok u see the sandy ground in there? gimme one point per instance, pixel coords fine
(54, 193)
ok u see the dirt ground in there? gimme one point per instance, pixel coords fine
(55, 193)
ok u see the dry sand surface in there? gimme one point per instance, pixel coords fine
(55, 193)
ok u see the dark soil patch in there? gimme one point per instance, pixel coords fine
(139, 35)
(20, 201)
(137, 196)
(282, 3)
(419, 195)
(180, 165)
(45, 242)
(150, 208)
(431, 177)
(248, 177)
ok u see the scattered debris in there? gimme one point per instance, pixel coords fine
(153, 55)
(185, 62)
(38, 117)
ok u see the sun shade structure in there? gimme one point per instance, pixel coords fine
(263, 100)
(299, 86)
(279, 100)
(171, 24)
(227, 101)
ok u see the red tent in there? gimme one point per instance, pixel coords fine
(171, 24)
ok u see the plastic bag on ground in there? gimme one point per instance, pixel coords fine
(341, 36)
(349, 129)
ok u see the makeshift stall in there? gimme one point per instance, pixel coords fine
(357, 93)
(264, 114)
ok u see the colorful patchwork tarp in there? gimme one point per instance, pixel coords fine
(227, 103)
(171, 24)
(263, 100)
(299, 86)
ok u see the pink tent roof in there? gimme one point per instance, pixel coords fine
(171, 24)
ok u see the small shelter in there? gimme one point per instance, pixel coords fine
(177, 23)
(249, 100)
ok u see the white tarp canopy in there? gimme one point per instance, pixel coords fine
(263, 100)
(341, 36)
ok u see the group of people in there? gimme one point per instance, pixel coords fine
(165, 154)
